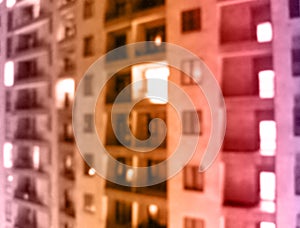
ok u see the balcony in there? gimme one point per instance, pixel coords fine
(26, 219)
(254, 33)
(33, 129)
(29, 21)
(118, 9)
(142, 5)
(28, 190)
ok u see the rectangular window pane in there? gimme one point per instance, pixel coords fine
(193, 223)
(193, 180)
(123, 213)
(296, 62)
(191, 122)
(88, 81)
(88, 46)
(89, 203)
(191, 20)
(297, 175)
(294, 6)
(88, 123)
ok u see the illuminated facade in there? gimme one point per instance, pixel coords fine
(253, 49)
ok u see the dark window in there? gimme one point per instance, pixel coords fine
(123, 213)
(89, 203)
(193, 223)
(294, 6)
(88, 46)
(296, 62)
(194, 70)
(297, 115)
(88, 81)
(88, 9)
(88, 123)
(189, 118)
(191, 20)
(297, 175)
(193, 179)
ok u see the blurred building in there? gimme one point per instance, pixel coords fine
(253, 49)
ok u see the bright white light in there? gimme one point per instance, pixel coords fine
(92, 172)
(267, 225)
(7, 155)
(153, 209)
(266, 84)
(36, 157)
(10, 178)
(129, 175)
(158, 40)
(267, 133)
(267, 186)
(268, 206)
(64, 87)
(264, 32)
(10, 3)
(9, 74)
(157, 90)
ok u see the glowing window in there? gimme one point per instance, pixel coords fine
(157, 90)
(267, 133)
(10, 3)
(267, 186)
(264, 32)
(36, 157)
(9, 74)
(267, 225)
(7, 155)
(266, 84)
(153, 210)
(64, 92)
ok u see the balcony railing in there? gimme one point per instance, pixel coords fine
(23, 221)
(27, 19)
(27, 134)
(28, 195)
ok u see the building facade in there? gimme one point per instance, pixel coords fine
(252, 48)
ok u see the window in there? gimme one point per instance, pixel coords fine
(297, 116)
(88, 9)
(9, 74)
(7, 155)
(294, 6)
(264, 32)
(88, 46)
(193, 179)
(193, 223)
(267, 186)
(297, 175)
(123, 213)
(267, 133)
(193, 68)
(8, 211)
(89, 205)
(267, 225)
(68, 132)
(65, 92)
(296, 62)
(266, 84)
(89, 161)
(88, 82)
(191, 20)
(189, 122)
(88, 126)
